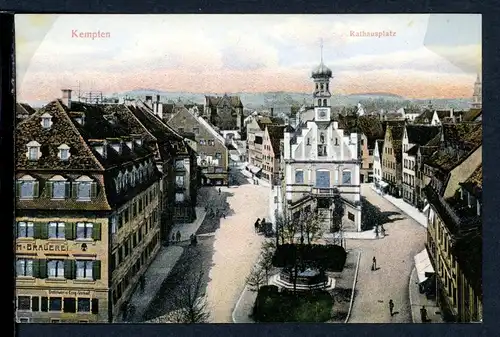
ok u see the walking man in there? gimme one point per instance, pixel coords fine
(423, 314)
(219, 190)
(374, 263)
(178, 236)
(391, 306)
(173, 237)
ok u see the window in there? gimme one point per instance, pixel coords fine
(33, 152)
(83, 304)
(179, 197)
(84, 269)
(181, 130)
(55, 304)
(211, 142)
(69, 304)
(24, 229)
(179, 164)
(299, 176)
(218, 155)
(58, 190)
(84, 230)
(56, 230)
(63, 152)
(24, 320)
(179, 181)
(83, 191)
(322, 179)
(24, 267)
(56, 268)
(336, 141)
(346, 177)
(27, 189)
(196, 131)
(35, 303)
(23, 303)
(202, 142)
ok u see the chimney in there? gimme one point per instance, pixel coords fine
(149, 101)
(272, 111)
(451, 112)
(157, 98)
(159, 110)
(66, 97)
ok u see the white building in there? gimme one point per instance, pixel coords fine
(477, 97)
(377, 161)
(322, 164)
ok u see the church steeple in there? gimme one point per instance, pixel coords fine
(477, 96)
(321, 76)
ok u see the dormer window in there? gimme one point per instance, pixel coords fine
(46, 121)
(63, 152)
(138, 141)
(129, 144)
(308, 141)
(58, 187)
(33, 150)
(117, 147)
(85, 189)
(27, 187)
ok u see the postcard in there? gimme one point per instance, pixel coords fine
(248, 168)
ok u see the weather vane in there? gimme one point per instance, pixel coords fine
(321, 46)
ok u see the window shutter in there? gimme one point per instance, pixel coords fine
(42, 268)
(49, 188)
(74, 190)
(44, 230)
(69, 231)
(36, 268)
(93, 190)
(18, 188)
(69, 269)
(37, 230)
(96, 270)
(36, 186)
(95, 306)
(67, 190)
(96, 231)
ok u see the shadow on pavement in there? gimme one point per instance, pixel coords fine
(372, 215)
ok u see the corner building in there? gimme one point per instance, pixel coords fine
(322, 164)
(87, 222)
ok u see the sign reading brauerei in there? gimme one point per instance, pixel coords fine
(68, 292)
(42, 247)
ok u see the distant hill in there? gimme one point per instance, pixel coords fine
(267, 99)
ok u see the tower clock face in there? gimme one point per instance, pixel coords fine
(322, 113)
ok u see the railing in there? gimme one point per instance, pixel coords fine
(325, 191)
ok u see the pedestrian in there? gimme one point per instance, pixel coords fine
(195, 240)
(374, 263)
(142, 281)
(256, 225)
(423, 314)
(191, 237)
(173, 237)
(376, 231)
(224, 215)
(391, 306)
(178, 236)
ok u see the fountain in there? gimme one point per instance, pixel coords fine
(307, 279)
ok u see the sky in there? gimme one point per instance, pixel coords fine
(422, 56)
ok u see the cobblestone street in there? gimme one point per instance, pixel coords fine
(394, 254)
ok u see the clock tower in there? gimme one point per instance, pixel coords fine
(322, 106)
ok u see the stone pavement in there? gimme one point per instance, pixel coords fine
(417, 300)
(395, 255)
(156, 273)
(186, 229)
(405, 207)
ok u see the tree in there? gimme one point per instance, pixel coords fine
(191, 301)
(256, 278)
(311, 226)
(266, 258)
(280, 228)
(337, 225)
(290, 228)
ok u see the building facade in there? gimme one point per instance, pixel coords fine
(392, 158)
(271, 154)
(87, 212)
(413, 137)
(212, 152)
(255, 129)
(377, 161)
(225, 112)
(322, 165)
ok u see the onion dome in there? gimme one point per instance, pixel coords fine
(321, 71)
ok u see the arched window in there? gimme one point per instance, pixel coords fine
(322, 138)
(324, 102)
(322, 179)
(319, 102)
(321, 86)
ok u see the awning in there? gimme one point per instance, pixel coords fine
(254, 169)
(423, 265)
(383, 184)
(426, 209)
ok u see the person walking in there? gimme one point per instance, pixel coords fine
(382, 230)
(173, 237)
(391, 307)
(178, 236)
(191, 237)
(423, 314)
(374, 263)
(219, 190)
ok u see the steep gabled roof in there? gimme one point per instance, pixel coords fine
(397, 140)
(472, 115)
(413, 150)
(372, 128)
(380, 144)
(276, 134)
(421, 134)
(213, 101)
(61, 132)
(425, 117)
(467, 133)
(474, 184)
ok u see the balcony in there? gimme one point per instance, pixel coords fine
(325, 191)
